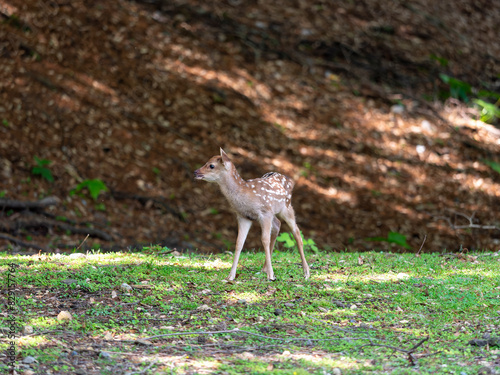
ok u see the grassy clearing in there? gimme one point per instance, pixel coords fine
(360, 313)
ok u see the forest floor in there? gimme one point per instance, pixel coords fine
(162, 312)
(346, 98)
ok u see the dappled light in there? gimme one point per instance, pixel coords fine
(146, 93)
(357, 312)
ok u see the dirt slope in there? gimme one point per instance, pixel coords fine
(343, 98)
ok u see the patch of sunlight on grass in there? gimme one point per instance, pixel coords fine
(32, 341)
(42, 322)
(384, 277)
(250, 297)
(474, 272)
(210, 264)
(329, 278)
(328, 360)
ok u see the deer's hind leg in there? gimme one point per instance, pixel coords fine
(275, 230)
(288, 215)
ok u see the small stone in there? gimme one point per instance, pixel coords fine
(339, 304)
(29, 359)
(64, 316)
(397, 109)
(278, 312)
(105, 355)
(353, 307)
(125, 287)
(28, 330)
(204, 308)
(336, 371)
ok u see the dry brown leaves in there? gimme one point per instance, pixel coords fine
(139, 94)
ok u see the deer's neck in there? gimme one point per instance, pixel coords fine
(233, 187)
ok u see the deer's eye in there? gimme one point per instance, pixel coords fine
(212, 166)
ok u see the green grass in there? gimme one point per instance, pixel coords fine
(358, 312)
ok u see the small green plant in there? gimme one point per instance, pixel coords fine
(393, 237)
(493, 165)
(3, 193)
(288, 241)
(95, 187)
(489, 111)
(5, 123)
(42, 170)
(441, 60)
(100, 207)
(458, 89)
(463, 91)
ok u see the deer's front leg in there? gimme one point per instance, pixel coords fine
(243, 228)
(266, 225)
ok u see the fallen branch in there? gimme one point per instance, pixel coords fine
(21, 243)
(28, 205)
(14, 226)
(238, 331)
(409, 352)
(470, 219)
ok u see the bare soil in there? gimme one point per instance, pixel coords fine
(344, 98)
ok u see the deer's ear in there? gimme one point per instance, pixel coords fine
(225, 159)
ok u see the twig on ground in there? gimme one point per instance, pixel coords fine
(409, 352)
(83, 242)
(421, 246)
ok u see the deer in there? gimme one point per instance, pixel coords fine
(264, 200)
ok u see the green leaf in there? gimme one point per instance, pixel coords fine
(398, 239)
(95, 187)
(44, 172)
(441, 60)
(493, 165)
(42, 162)
(488, 94)
(489, 111)
(286, 239)
(392, 237)
(458, 89)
